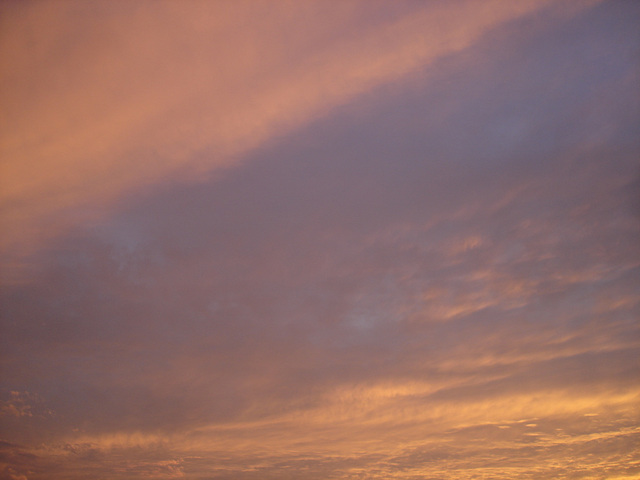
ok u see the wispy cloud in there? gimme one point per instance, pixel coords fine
(103, 99)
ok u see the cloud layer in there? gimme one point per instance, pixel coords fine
(258, 240)
(103, 99)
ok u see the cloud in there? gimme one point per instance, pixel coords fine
(106, 100)
(375, 294)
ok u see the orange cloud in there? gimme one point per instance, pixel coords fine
(387, 422)
(103, 99)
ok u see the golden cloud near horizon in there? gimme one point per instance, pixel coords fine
(384, 423)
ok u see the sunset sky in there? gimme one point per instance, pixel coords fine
(320, 239)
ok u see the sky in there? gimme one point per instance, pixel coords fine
(309, 240)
